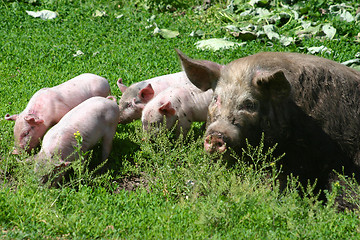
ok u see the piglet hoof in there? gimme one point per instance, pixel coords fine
(56, 175)
(15, 152)
(214, 143)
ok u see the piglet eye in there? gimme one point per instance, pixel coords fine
(215, 97)
(25, 134)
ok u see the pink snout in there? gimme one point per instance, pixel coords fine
(214, 143)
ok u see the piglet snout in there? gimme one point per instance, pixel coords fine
(215, 143)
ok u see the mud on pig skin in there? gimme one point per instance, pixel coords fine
(309, 105)
(183, 105)
(136, 96)
(93, 120)
(48, 105)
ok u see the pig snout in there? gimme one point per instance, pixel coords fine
(215, 143)
(221, 135)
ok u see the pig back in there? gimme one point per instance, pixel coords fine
(92, 119)
(82, 87)
(161, 83)
(329, 93)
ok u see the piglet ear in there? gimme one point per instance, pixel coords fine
(146, 94)
(11, 117)
(273, 85)
(202, 73)
(121, 86)
(113, 98)
(167, 109)
(33, 120)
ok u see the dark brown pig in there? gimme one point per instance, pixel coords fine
(48, 105)
(136, 96)
(309, 105)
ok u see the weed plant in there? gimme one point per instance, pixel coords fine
(181, 192)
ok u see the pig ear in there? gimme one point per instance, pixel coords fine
(167, 109)
(33, 120)
(121, 86)
(138, 105)
(147, 93)
(11, 117)
(272, 84)
(203, 74)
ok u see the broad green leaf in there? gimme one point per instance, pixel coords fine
(286, 41)
(338, 8)
(249, 27)
(269, 31)
(329, 30)
(306, 24)
(308, 29)
(197, 33)
(245, 35)
(78, 53)
(156, 31)
(261, 34)
(346, 16)
(356, 67)
(357, 17)
(262, 12)
(351, 62)
(231, 7)
(151, 19)
(296, 14)
(232, 28)
(321, 49)
(98, 13)
(165, 33)
(216, 44)
(246, 13)
(43, 14)
(258, 2)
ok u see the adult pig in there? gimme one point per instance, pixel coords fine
(183, 105)
(136, 96)
(48, 105)
(309, 105)
(94, 119)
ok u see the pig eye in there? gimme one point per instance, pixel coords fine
(248, 105)
(128, 104)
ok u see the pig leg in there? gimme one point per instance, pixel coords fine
(183, 128)
(57, 174)
(106, 148)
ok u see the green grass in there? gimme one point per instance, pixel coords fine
(186, 194)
